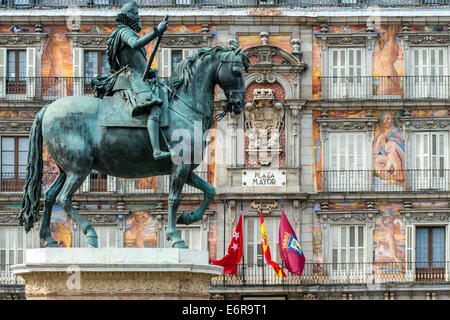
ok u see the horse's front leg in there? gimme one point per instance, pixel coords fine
(209, 192)
(177, 179)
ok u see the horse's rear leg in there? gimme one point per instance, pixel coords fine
(177, 179)
(49, 199)
(64, 199)
(209, 191)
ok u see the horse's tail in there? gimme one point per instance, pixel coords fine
(29, 211)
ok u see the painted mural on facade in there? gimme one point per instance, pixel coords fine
(389, 238)
(140, 230)
(60, 227)
(388, 153)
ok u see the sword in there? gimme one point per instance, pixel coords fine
(152, 56)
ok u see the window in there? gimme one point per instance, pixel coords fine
(430, 251)
(170, 58)
(13, 242)
(429, 73)
(95, 64)
(346, 68)
(347, 248)
(253, 253)
(98, 181)
(347, 162)
(16, 71)
(190, 235)
(430, 159)
(107, 237)
(14, 162)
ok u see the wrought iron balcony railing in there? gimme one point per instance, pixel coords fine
(384, 180)
(385, 88)
(339, 274)
(100, 183)
(50, 4)
(7, 278)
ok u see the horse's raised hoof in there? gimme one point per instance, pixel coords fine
(92, 241)
(186, 218)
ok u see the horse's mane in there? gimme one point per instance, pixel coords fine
(183, 72)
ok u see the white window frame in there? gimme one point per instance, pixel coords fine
(165, 58)
(356, 178)
(182, 229)
(357, 267)
(421, 82)
(422, 177)
(343, 83)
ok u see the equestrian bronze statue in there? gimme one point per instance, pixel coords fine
(126, 130)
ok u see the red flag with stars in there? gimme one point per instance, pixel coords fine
(234, 253)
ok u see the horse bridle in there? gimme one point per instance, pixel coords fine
(230, 94)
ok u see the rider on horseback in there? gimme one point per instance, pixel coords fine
(128, 59)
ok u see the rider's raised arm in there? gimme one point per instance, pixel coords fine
(136, 42)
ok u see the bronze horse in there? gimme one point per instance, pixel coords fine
(76, 141)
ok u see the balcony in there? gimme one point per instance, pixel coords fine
(11, 286)
(100, 183)
(385, 88)
(51, 4)
(415, 180)
(339, 274)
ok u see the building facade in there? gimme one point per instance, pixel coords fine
(345, 129)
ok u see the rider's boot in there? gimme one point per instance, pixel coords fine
(153, 131)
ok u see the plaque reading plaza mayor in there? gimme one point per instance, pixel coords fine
(264, 178)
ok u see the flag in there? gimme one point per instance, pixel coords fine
(234, 253)
(266, 250)
(290, 251)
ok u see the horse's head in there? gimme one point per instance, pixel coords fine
(230, 77)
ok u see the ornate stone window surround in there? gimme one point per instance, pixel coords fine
(411, 125)
(335, 124)
(33, 43)
(186, 42)
(410, 39)
(425, 218)
(365, 40)
(365, 217)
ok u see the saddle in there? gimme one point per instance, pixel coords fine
(115, 111)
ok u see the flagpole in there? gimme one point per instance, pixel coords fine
(243, 253)
(224, 223)
(262, 249)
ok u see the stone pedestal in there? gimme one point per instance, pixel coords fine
(116, 273)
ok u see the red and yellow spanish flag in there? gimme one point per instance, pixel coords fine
(266, 250)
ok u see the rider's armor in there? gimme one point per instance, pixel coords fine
(126, 51)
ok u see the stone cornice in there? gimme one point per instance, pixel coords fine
(364, 39)
(21, 40)
(15, 126)
(347, 124)
(186, 40)
(88, 40)
(425, 123)
(428, 215)
(424, 38)
(350, 216)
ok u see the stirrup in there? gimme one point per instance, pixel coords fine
(161, 155)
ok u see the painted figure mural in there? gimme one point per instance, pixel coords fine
(389, 150)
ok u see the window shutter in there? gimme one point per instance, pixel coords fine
(31, 72)
(2, 73)
(111, 183)
(165, 63)
(410, 254)
(86, 186)
(78, 71)
(447, 252)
